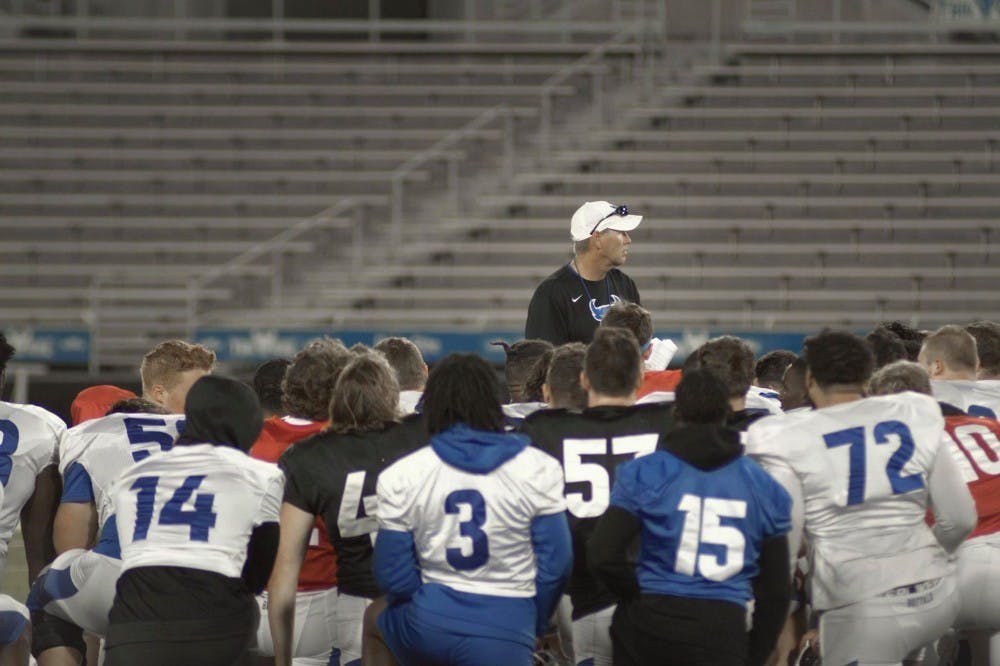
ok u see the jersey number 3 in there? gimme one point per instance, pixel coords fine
(201, 518)
(471, 503)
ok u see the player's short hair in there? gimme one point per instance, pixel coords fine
(838, 358)
(632, 316)
(365, 397)
(6, 352)
(137, 405)
(769, 371)
(536, 378)
(266, 383)
(888, 346)
(701, 397)
(406, 361)
(167, 360)
(520, 358)
(309, 380)
(953, 346)
(731, 359)
(563, 376)
(613, 362)
(900, 376)
(463, 388)
(987, 335)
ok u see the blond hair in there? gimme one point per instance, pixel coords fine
(164, 362)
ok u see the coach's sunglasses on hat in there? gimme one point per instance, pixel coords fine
(619, 210)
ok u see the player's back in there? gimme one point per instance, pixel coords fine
(194, 506)
(29, 439)
(469, 500)
(977, 397)
(335, 476)
(319, 569)
(95, 453)
(702, 526)
(280, 432)
(863, 468)
(975, 446)
(589, 445)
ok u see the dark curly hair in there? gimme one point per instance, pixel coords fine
(731, 359)
(838, 358)
(536, 378)
(769, 370)
(266, 383)
(987, 335)
(309, 380)
(6, 352)
(701, 397)
(463, 388)
(888, 347)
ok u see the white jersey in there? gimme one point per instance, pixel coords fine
(106, 447)
(194, 506)
(763, 398)
(29, 439)
(977, 397)
(858, 476)
(479, 522)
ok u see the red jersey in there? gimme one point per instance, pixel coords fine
(975, 446)
(658, 380)
(319, 570)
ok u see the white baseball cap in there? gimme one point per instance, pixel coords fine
(596, 216)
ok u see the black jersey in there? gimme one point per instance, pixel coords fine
(567, 308)
(334, 476)
(590, 445)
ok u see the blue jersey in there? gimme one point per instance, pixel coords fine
(701, 529)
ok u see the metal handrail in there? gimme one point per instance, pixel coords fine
(439, 150)
(373, 27)
(584, 62)
(270, 248)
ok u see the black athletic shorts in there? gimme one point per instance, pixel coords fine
(166, 616)
(662, 630)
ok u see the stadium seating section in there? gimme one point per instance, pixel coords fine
(784, 185)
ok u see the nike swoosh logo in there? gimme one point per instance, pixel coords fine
(577, 298)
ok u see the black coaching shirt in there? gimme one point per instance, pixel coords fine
(567, 308)
(334, 476)
(590, 445)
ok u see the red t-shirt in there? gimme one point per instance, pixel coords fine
(975, 446)
(658, 380)
(319, 570)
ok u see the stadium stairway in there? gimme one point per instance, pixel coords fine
(785, 186)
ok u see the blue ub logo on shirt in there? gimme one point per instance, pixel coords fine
(598, 311)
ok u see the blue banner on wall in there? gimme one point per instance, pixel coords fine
(42, 345)
(241, 345)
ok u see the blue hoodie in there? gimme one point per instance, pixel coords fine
(397, 569)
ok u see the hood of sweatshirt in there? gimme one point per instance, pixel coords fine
(476, 451)
(705, 446)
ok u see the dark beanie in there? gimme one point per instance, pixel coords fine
(222, 411)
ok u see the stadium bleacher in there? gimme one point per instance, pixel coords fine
(858, 175)
(121, 154)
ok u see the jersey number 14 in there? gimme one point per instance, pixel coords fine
(200, 519)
